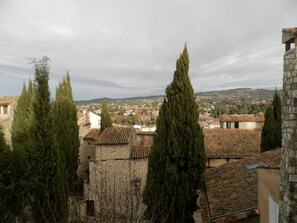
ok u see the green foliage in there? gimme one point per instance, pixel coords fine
(271, 131)
(13, 182)
(267, 137)
(7, 209)
(105, 117)
(276, 104)
(177, 159)
(23, 118)
(66, 127)
(48, 180)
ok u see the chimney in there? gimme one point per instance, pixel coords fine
(288, 188)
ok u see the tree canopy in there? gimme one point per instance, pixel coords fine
(105, 117)
(177, 159)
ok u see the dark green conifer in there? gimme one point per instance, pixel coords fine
(49, 201)
(177, 159)
(66, 127)
(7, 208)
(276, 104)
(267, 136)
(105, 117)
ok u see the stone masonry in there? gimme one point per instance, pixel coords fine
(288, 188)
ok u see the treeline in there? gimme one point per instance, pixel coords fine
(243, 108)
(39, 172)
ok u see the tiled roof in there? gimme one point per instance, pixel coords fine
(115, 135)
(93, 134)
(232, 187)
(232, 142)
(140, 151)
(242, 118)
(8, 99)
(214, 123)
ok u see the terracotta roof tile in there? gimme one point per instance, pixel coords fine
(115, 135)
(232, 142)
(140, 151)
(232, 187)
(93, 134)
(242, 118)
(8, 99)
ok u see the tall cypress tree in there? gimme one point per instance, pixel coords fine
(268, 131)
(105, 117)
(66, 127)
(276, 104)
(177, 159)
(49, 203)
(22, 119)
(8, 211)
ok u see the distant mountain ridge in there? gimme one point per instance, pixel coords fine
(240, 93)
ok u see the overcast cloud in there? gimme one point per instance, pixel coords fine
(125, 48)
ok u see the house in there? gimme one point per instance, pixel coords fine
(117, 173)
(86, 151)
(247, 121)
(228, 145)
(7, 106)
(230, 192)
(268, 193)
(87, 120)
(214, 124)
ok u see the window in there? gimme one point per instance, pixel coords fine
(89, 143)
(254, 165)
(5, 109)
(228, 125)
(236, 125)
(273, 211)
(90, 208)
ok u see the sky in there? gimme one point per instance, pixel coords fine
(128, 48)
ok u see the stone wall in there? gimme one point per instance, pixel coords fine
(288, 188)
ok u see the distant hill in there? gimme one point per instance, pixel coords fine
(238, 93)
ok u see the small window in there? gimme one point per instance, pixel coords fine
(90, 208)
(236, 125)
(89, 143)
(228, 125)
(89, 157)
(5, 109)
(254, 165)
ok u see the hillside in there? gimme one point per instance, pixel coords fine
(210, 96)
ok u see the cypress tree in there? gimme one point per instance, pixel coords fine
(22, 119)
(177, 160)
(276, 104)
(105, 117)
(19, 133)
(7, 205)
(49, 203)
(66, 127)
(267, 136)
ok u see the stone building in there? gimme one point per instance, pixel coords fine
(7, 106)
(86, 151)
(117, 174)
(288, 188)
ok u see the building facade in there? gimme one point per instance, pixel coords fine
(246, 121)
(288, 188)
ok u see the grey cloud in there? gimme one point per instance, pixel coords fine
(129, 48)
